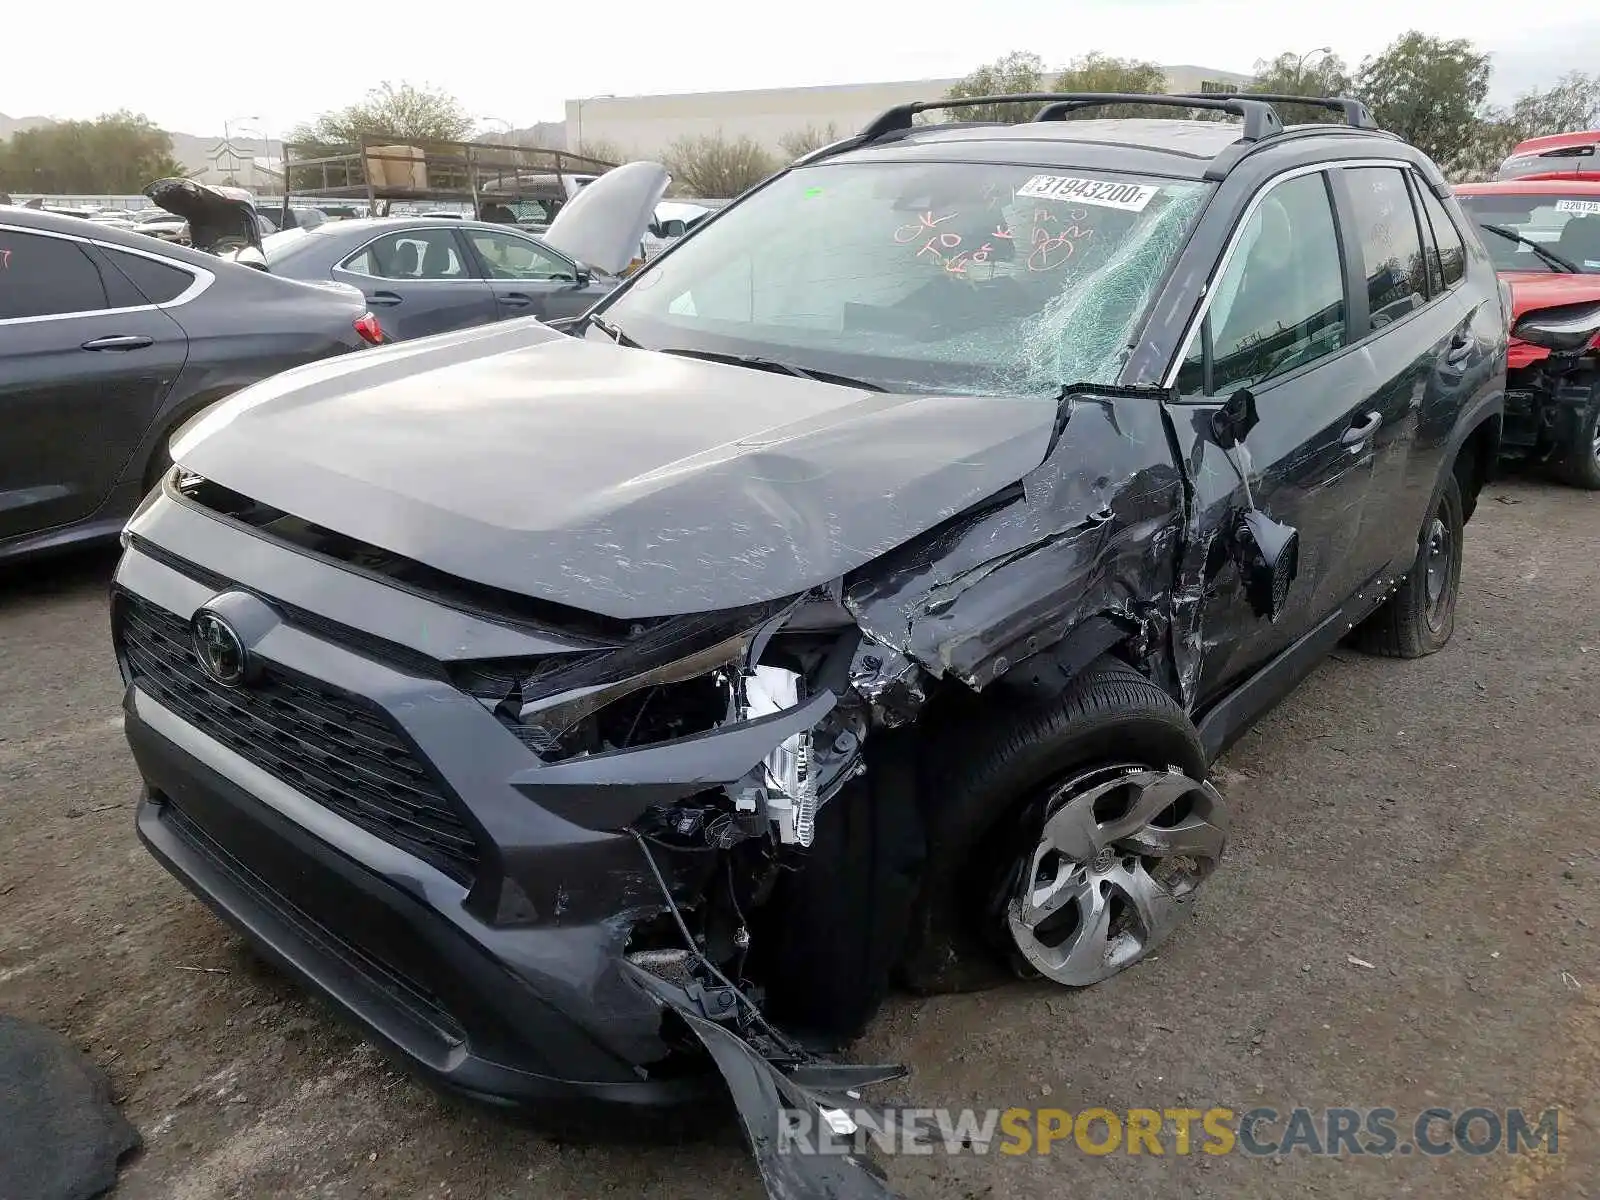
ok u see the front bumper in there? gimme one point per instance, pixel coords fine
(1545, 415)
(485, 947)
(462, 1002)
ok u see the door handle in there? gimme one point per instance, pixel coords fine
(1460, 348)
(120, 341)
(516, 299)
(384, 299)
(1362, 428)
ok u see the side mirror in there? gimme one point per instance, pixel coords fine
(1232, 423)
(582, 274)
(1266, 551)
(1268, 554)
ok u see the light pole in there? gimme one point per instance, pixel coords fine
(266, 147)
(1300, 65)
(510, 128)
(227, 138)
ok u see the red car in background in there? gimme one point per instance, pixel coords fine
(1544, 237)
(1555, 156)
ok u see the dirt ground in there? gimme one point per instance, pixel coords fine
(1439, 820)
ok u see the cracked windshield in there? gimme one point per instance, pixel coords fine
(948, 277)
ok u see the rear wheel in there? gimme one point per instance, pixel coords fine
(1420, 616)
(1581, 467)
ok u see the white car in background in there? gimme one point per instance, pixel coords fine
(159, 223)
(673, 219)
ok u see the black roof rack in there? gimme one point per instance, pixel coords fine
(1259, 117)
(1355, 113)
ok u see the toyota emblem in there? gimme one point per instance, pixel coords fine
(218, 648)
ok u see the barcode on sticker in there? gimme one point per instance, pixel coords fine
(1578, 206)
(1132, 197)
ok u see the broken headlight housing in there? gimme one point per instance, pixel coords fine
(690, 677)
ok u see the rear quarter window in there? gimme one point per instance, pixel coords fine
(157, 282)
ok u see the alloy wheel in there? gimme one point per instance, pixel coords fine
(1122, 852)
(1437, 555)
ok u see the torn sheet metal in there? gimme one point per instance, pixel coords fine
(765, 1097)
(1096, 529)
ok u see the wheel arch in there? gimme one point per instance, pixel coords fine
(1474, 461)
(152, 458)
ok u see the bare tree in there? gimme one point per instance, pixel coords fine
(804, 141)
(716, 167)
(606, 151)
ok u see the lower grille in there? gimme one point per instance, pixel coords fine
(331, 747)
(402, 990)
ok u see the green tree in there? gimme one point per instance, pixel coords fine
(717, 168)
(804, 141)
(1313, 74)
(1428, 90)
(401, 111)
(119, 152)
(1019, 71)
(1572, 102)
(1096, 72)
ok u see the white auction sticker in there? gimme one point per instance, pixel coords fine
(1132, 197)
(1578, 206)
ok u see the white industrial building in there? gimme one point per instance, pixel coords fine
(647, 125)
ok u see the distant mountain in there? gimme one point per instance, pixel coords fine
(195, 152)
(546, 135)
(10, 125)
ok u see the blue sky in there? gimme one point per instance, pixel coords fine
(520, 63)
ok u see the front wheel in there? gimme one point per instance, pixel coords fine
(1581, 467)
(1066, 839)
(1420, 616)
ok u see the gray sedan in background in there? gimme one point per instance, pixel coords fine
(424, 275)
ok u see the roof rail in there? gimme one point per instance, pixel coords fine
(1259, 117)
(1355, 113)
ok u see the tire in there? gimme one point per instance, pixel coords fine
(160, 464)
(1581, 467)
(1413, 622)
(984, 804)
(826, 942)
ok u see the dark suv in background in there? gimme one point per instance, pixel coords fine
(861, 590)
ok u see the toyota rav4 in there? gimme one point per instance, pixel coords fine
(858, 593)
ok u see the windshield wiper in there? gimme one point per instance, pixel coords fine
(1550, 256)
(612, 332)
(782, 368)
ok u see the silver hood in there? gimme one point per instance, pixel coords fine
(604, 223)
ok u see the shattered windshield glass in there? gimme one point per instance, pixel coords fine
(947, 277)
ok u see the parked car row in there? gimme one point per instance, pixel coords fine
(858, 590)
(109, 341)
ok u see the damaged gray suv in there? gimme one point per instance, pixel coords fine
(857, 595)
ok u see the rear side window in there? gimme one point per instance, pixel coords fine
(1280, 304)
(1452, 253)
(410, 254)
(1389, 244)
(158, 282)
(46, 277)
